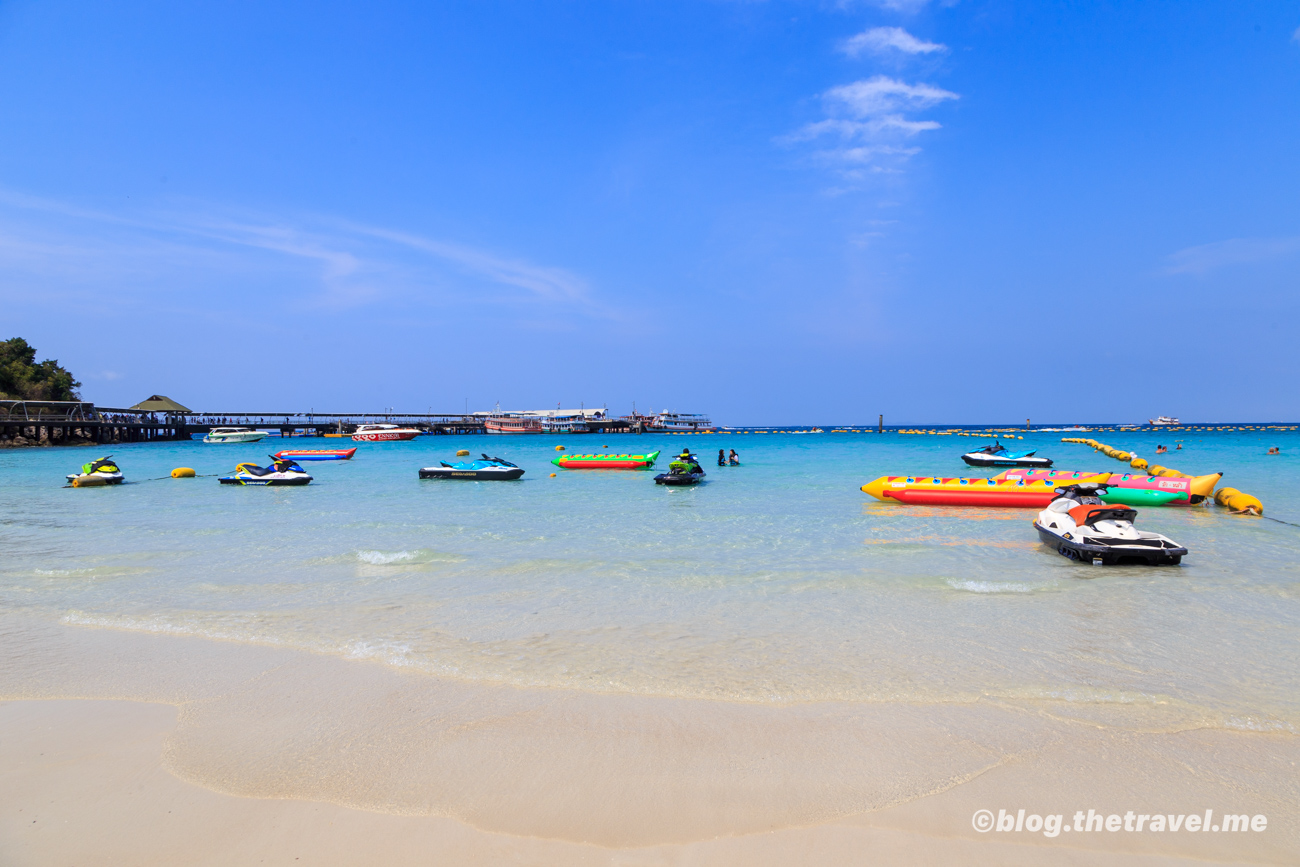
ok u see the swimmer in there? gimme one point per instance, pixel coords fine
(1160, 450)
(1275, 451)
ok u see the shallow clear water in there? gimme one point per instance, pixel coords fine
(777, 581)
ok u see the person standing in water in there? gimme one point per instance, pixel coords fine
(722, 461)
(733, 458)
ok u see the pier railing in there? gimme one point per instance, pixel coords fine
(70, 422)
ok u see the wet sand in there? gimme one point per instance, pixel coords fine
(83, 783)
(121, 748)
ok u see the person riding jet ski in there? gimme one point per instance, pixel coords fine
(101, 472)
(685, 469)
(997, 455)
(1082, 527)
(282, 471)
(488, 469)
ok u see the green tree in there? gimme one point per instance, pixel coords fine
(22, 378)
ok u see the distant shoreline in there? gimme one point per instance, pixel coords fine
(21, 442)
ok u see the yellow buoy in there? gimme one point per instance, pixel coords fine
(1138, 463)
(90, 481)
(460, 453)
(559, 448)
(552, 475)
(182, 473)
(1237, 501)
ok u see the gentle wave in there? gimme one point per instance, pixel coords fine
(973, 586)
(89, 572)
(457, 659)
(419, 556)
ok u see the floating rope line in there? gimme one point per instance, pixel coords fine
(1236, 502)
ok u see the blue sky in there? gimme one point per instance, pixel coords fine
(771, 212)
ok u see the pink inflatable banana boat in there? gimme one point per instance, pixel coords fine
(1187, 489)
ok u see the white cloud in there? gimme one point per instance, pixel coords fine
(906, 7)
(869, 120)
(1204, 258)
(552, 284)
(883, 39)
(348, 265)
(881, 94)
(849, 130)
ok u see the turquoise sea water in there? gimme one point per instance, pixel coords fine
(774, 582)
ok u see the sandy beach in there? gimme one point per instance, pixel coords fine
(258, 767)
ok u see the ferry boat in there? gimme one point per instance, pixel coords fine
(505, 423)
(235, 435)
(376, 433)
(679, 422)
(1164, 421)
(570, 424)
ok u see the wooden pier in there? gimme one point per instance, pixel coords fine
(29, 422)
(73, 422)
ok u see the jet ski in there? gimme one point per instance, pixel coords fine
(281, 472)
(486, 470)
(997, 455)
(1082, 527)
(685, 469)
(101, 472)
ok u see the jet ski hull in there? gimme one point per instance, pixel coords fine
(975, 459)
(486, 474)
(1144, 552)
(679, 478)
(94, 479)
(265, 481)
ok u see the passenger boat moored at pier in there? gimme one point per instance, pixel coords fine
(511, 423)
(680, 422)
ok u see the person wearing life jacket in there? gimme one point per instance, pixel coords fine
(685, 463)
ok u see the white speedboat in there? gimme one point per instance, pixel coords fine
(378, 433)
(235, 435)
(1164, 421)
